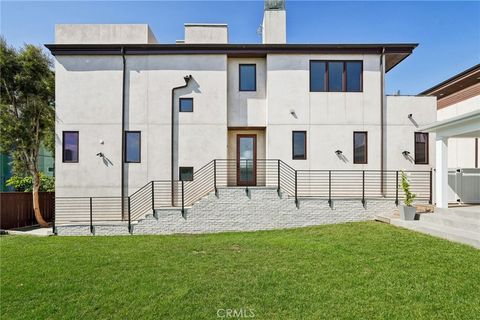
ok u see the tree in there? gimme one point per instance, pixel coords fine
(25, 184)
(27, 115)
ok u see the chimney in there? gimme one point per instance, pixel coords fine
(274, 26)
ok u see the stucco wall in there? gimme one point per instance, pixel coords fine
(328, 117)
(103, 34)
(206, 33)
(400, 130)
(89, 99)
(246, 108)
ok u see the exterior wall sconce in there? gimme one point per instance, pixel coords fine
(338, 152)
(406, 153)
(293, 113)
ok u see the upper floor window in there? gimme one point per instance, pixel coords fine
(186, 105)
(299, 145)
(248, 77)
(132, 146)
(336, 76)
(70, 146)
(421, 148)
(360, 147)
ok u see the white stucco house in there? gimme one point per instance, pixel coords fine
(135, 116)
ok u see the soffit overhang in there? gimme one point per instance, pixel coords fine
(394, 53)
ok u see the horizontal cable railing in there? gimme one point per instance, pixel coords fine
(247, 173)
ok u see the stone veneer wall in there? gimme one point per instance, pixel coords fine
(233, 210)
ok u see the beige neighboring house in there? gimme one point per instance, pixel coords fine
(459, 97)
(135, 115)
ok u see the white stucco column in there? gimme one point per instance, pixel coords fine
(441, 176)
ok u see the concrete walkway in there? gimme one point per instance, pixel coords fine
(458, 224)
(31, 231)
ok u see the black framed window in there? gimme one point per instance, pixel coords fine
(185, 173)
(248, 77)
(70, 146)
(318, 75)
(336, 76)
(133, 146)
(421, 148)
(353, 74)
(299, 145)
(185, 105)
(360, 147)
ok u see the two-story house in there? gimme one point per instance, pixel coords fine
(131, 110)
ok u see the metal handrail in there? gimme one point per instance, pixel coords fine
(275, 173)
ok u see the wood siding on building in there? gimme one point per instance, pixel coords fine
(459, 96)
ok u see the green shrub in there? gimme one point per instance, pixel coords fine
(25, 184)
(409, 196)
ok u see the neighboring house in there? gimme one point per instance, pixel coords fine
(131, 110)
(457, 97)
(46, 164)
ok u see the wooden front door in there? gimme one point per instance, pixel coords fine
(246, 159)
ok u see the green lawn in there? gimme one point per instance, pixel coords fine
(350, 271)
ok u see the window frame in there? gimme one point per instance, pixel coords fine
(63, 147)
(344, 75)
(139, 147)
(325, 85)
(180, 175)
(427, 148)
(365, 161)
(180, 104)
(304, 145)
(240, 77)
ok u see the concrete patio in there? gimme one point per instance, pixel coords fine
(457, 223)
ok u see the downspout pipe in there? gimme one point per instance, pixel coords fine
(122, 175)
(172, 145)
(382, 121)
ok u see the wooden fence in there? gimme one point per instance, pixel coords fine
(16, 209)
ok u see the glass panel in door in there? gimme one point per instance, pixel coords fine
(246, 160)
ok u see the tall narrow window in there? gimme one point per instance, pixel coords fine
(70, 146)
(299, 145)
(421, 148)
(354, 76)
(360, 147)
(248, 77)
(318, 75)
(185, 105)
(132, 146)
(335, 76)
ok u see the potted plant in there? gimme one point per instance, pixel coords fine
(407, 212)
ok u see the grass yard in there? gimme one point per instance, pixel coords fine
(350, 271)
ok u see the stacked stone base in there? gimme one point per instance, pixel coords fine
(235, 210)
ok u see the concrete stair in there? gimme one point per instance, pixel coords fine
(454, 224)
